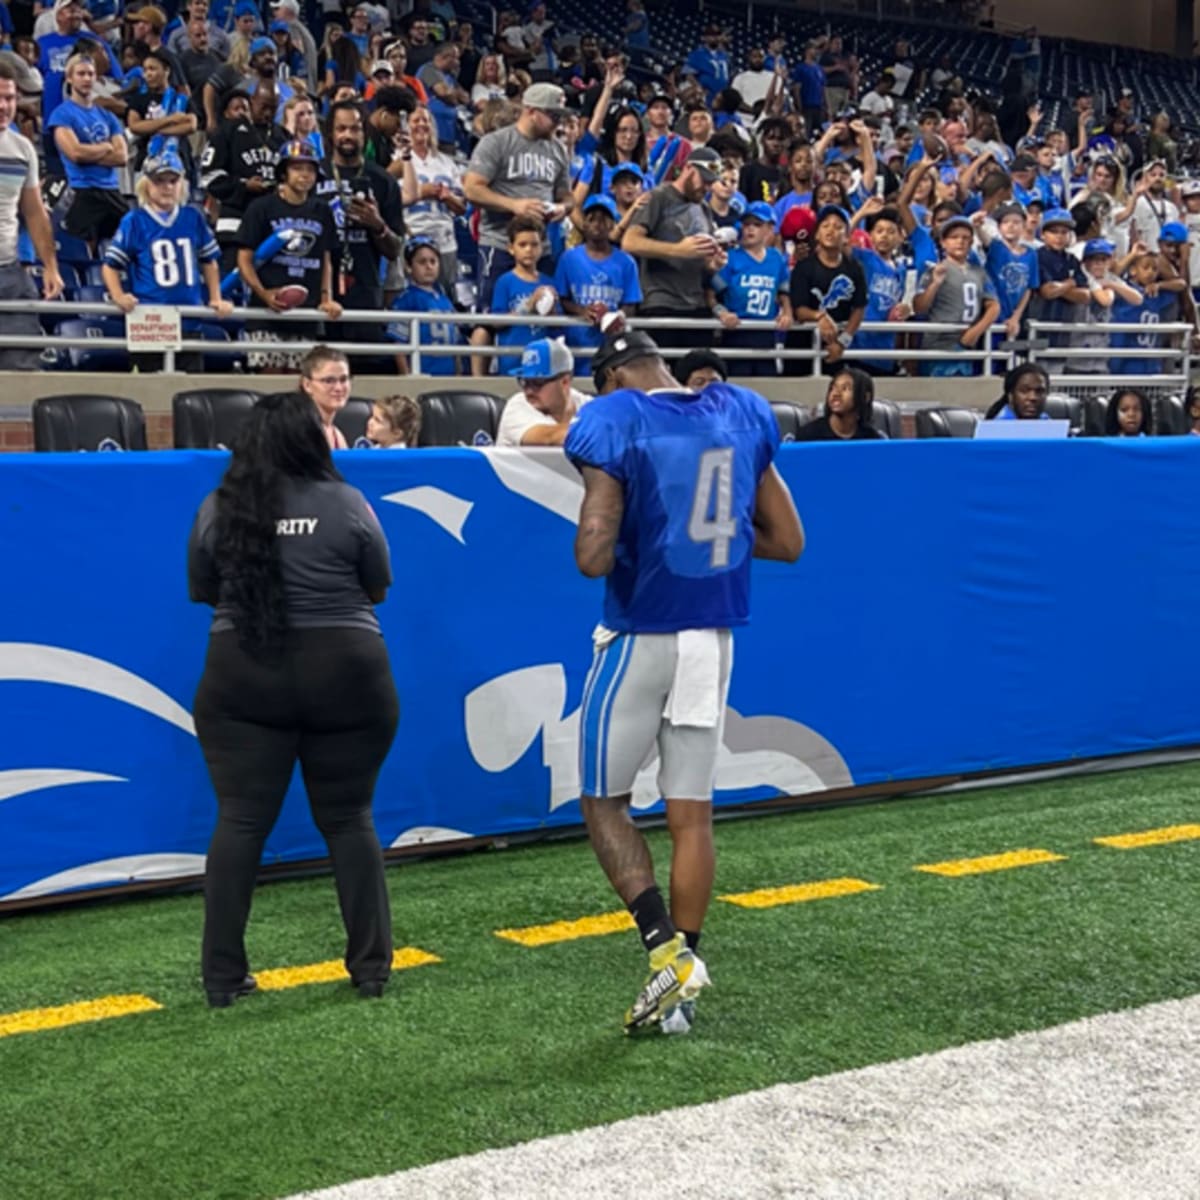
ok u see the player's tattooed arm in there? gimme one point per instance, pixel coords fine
(599, 522)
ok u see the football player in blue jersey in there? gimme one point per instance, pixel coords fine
(680, 491)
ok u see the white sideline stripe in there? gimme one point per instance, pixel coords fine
(1105, 1108)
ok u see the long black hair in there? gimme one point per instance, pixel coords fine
(608, 138)
(281, 439)
(1112, 424)
(1011, 378)
(864, 392)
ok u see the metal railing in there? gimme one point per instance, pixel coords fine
(1179, 356)
(415, 350)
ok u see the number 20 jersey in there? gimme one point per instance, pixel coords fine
(689, 465)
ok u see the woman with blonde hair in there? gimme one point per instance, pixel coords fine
(489, 82)
(300, 120)
(432, 191)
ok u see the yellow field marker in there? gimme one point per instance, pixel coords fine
(566, 931)
(278, 978)
(1150, 837)
(991, 862)
(798, 893)
(34, 1020)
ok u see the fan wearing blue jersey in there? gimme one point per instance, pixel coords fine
(424, 295)
(1156, 303)
(885, 284)
(680, 491)
(752, 286)
(166, 251)
(1012, 267)
(596, 278)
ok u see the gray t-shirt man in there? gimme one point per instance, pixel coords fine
(673, 283)
(519, 168)
(332, 553)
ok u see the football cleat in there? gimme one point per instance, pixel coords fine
(680, 1019)
(676, 974)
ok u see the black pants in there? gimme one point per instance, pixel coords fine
(331, 704)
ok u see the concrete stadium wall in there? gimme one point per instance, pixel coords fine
(154, 392)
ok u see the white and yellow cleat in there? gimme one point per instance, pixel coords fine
(676, 974)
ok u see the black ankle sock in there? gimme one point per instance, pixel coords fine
(653, 923)
(693, 939)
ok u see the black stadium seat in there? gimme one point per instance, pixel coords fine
(790, 417)
(1170, 416)
(88, 423)
(885, 416)
(1066, 408)
(459, 418)
(946, 422)
(352, 420)
(208, 418)
(1095, 414)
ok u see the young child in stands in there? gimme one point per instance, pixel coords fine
(1012, 267)
(1156, 289)
(1104, 288)
(394, 423)
(752, 286)
(424, 294)
(886, 277)
(595, 278)
(523, 290)
(1129, 414)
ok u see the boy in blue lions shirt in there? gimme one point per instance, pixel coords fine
(424, 294)
(596, 278)
(753, 286)
(1012, 267)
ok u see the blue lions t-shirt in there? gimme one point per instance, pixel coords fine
(1012, 274)
(430, 333)
(508, 296)
(689, 464)
(91, 126)
(750, 287)
(584, 280)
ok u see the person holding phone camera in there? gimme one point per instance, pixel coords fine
(371, 224)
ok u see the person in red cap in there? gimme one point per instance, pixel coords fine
(798, 228)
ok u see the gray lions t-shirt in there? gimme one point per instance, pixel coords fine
(332, 553)
(672, 282)
(520, 168)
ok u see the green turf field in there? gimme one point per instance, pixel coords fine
(499, 1043)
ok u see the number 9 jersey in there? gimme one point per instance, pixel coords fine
(161, 255)
(689, 464)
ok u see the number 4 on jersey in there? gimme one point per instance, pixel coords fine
(712, 505)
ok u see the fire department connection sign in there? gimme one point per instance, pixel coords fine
(153, 327)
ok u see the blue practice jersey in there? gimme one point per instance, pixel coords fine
(689, 464)
(1011, 274)
(750, 287)
(429, 333)
(885, 289)
(1152, 311)
(583, 280)
(162, 255)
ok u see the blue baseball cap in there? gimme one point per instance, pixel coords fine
(546, 358)
(958, 221)
(833, 210)
(280, 27)
(628, 168)
(166, 163)
(1057, 216)
(760, 210)
(1173, 231)
(260, 44)
(604, 202)
(245, 8)
(1097, 247)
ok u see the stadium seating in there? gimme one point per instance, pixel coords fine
(208, 418)
(459, 418)
(81, 422)
(885, 416)
(946, 422)
(1066, 408)
(352, 420)
(81, 356)
(1170, 416)
(1095, 413)
(790, 417)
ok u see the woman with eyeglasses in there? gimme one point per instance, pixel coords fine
(293, 561)
(325, 380)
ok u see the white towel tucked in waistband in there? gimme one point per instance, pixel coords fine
(696, 694)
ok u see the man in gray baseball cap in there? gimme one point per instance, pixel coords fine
(519, 170)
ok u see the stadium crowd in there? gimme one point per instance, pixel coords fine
(406, 159)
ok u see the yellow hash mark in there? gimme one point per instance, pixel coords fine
(800, 892)
(1150, 837)
(278, 978)
(991, 862)
(566, 931)
(34, 1020)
